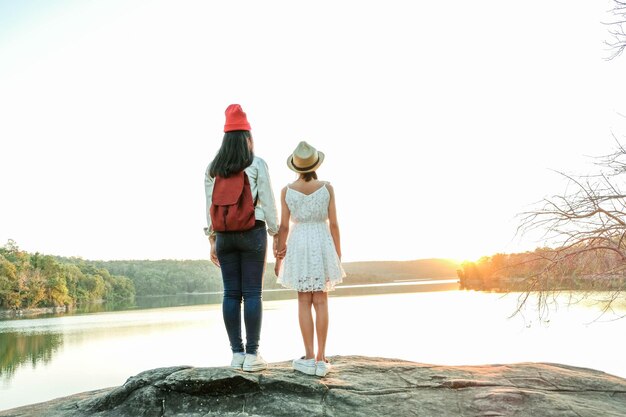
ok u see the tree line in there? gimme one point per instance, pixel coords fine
(539, 271)
(35, 280)
(168, 277)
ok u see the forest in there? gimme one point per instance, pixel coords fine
(35, 280)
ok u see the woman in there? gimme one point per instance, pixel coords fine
(241, 254)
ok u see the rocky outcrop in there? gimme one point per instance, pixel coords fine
(358, 386)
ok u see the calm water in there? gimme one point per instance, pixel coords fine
(45, 358)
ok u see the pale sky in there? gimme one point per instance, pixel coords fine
(440, 121)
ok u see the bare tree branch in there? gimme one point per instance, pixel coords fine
(617, 21)
(587, 228)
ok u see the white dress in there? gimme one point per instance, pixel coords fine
(311, 262)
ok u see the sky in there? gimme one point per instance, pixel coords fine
(440, 121)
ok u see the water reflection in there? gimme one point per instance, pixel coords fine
(103, 307)
(18, 348)
(279, 294)
(35, 340)
(93, 351)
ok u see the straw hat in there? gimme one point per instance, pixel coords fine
(305, 158)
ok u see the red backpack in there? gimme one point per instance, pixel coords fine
(232, 207)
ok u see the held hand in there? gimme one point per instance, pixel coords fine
(214, 259)
(277, 266)
(278, 254)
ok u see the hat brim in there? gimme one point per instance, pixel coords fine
(320, 159)
(236, 126)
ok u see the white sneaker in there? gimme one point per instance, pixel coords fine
(237, 361)
(254, 363)
(306, 366)
(322, 368)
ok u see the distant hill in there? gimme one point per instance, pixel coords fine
(189, 276)
(388, 271)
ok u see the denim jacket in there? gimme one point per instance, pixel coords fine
(261, 187)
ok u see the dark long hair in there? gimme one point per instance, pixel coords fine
(233, 156)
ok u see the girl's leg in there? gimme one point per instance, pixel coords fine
(305, 318)
(320, 302)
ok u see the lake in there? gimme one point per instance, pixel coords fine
(46, 358)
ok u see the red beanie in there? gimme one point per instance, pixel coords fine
(235, 119)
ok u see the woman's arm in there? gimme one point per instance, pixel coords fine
(265, 197)
(332, 221)
(283, 231)
(208, 190)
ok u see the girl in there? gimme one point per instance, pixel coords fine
(241, 254)
(312, 263)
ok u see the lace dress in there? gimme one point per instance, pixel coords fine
(311, 262)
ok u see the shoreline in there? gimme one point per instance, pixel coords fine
(32, 312)
(271, 294)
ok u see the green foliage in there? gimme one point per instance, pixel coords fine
(9, 284)
(166, 277)
(36, 280)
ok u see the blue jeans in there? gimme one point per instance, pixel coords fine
(242, 260)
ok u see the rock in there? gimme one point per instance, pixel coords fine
(357, 386)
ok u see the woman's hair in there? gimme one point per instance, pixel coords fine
(233, 156)
(308, 176)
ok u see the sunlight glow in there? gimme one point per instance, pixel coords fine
(113, 109)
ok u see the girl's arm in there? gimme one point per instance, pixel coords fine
(332, 220)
